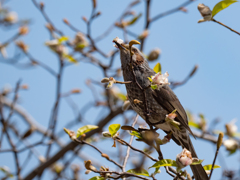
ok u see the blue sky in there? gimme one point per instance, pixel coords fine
(213, 91)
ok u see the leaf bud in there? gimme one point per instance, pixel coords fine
(23, 30)
(105, 156)
(220, 139)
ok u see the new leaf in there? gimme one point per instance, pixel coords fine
(85, 129)
(222, 5)
(113, 128)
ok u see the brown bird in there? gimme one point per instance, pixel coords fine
(156, 103)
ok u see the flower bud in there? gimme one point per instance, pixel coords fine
(22, 46)
(87, 171)
(84, 19)
(41, 5)
(24, 86)
(75, 91)
(105, 80)
(220, 139)
(23, 30)
(144, 34)
(11, 17)
(106, 134)
(105, 156)
(231, 144)
(3, 51)
(71, 134)
(184, 159)
(79, 42)
(50, 27)
(136, 101)
(88, 165)
(65, 21)
(154, 54)
(183, 9)
(231, 128)
(42, 159)
(205, 12)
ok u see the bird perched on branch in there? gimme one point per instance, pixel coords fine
(155, 103)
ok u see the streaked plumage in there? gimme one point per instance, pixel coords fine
(159, 102)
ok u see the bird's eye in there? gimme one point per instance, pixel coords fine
(134, 50)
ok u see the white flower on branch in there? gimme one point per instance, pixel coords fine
(231, 128)
(184, 158)
(11, 17)
(120, 41)
(231, 144)
(160, 79)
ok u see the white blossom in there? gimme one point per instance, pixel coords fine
(160, 79)
(230, 144)
(231, 127)
(11, 17)
(184, 158)
(118, 40)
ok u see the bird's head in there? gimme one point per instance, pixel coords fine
(137, 56)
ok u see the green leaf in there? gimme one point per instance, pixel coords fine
(193, 124)
(135, 19)
(217, 132)
(154, 87)
(175, 125)
(6, 171)
(97, 178)
(141, 172)
(164, 162)
(157, 68)
(62, 39)
(198, 162)
(236, 134)
(150, 79)
(137, 134)
(85, 129)
(113, 128)
(209, 167)
(70, 58)
(222, 5)
(80, 45)
(156, 170)
(232, 152)
(122, 96)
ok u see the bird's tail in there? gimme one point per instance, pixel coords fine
(198, 171)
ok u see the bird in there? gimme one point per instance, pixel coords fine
(156, 103)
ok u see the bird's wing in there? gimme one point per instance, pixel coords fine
(169, 101)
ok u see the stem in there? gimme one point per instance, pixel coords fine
(128, 149)
(213, 163)
(226, 26)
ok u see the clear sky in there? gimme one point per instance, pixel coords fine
(213, 91)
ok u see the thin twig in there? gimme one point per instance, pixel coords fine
(128, 149)
(84, 142)
(226, 26)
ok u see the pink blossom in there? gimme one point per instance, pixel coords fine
(184, 158)
(160, 79)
